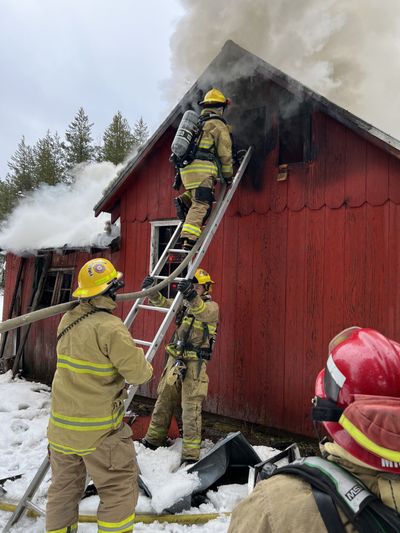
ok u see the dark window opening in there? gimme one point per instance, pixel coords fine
(294, 138)
(57, 288)
(174, 259)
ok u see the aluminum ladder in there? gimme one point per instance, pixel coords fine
(198, 253)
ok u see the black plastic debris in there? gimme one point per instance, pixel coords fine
(227, 462)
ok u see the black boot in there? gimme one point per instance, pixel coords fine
(188, 244)
(148, 444)
(181, 209)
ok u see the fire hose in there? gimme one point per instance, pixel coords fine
(145, 518)
(41, 314)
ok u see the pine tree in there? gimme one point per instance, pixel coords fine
(22, 167)
(118, 140)
(8, 199)
(49, 160)
(140, 132)
(78, 147)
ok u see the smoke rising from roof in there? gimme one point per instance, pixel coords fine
(55, 216)
(346, 51)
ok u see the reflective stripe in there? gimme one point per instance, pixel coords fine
(333, 380)
(366, 443)
(105, 279)
(67, 450)
(198, 309)
(198, 324)
(205, 144)
(193, 230)
(85, 367)
(335, 372)
(87, 424)
(120, 527)
(192, 443)
(389, 464)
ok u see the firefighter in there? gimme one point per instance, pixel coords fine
(187, 355)
(358, 401)
(96, 355)
(212, 159)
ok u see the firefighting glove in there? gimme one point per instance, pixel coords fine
(148, 282)
(187, 289)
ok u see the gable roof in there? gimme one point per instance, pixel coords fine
(231, 52)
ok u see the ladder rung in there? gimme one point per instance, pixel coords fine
(165, 277)
(179, 250)
(154, 308)
(143, 343)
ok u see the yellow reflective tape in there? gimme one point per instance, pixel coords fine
(81, 419)
(366, 443)
(86, 363)
(116, 524)
(199, 309)
(188, 228)
(107, 278)
(68, 450)
(113, 425)
(206, 144)
(86, 371)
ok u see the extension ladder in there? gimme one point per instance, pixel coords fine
(198, 251)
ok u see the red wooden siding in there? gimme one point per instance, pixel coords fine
(294, 263)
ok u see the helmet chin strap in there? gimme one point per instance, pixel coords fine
(115, 285)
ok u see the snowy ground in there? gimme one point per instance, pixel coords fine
(24, 410)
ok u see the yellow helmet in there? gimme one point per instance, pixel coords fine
(202, 277)
(94, 278)
(214, 98)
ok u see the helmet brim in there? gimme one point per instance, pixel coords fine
(341, 437)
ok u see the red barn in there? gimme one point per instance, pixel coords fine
(309, 246)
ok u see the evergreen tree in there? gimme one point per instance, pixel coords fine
(8, 199)
(22, 167)
(78, 146)
(118, 140)
(140, 132)
(49, 160)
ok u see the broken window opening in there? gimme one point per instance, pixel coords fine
(57, 287)
(295, 138)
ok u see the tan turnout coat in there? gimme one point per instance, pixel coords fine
(94, 359)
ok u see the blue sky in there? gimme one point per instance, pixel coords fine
(58, 55)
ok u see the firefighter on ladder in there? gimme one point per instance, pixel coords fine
(212, 159)
(185, 373)
(358, 402)
(96, 355)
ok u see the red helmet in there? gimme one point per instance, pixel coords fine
(358, 397)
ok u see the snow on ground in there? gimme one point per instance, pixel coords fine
(24, 411)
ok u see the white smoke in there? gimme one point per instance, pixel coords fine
(61, 215)
(346, 51)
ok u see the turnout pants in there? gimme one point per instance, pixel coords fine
(199, 202)
(113, 469)
(192, 391)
